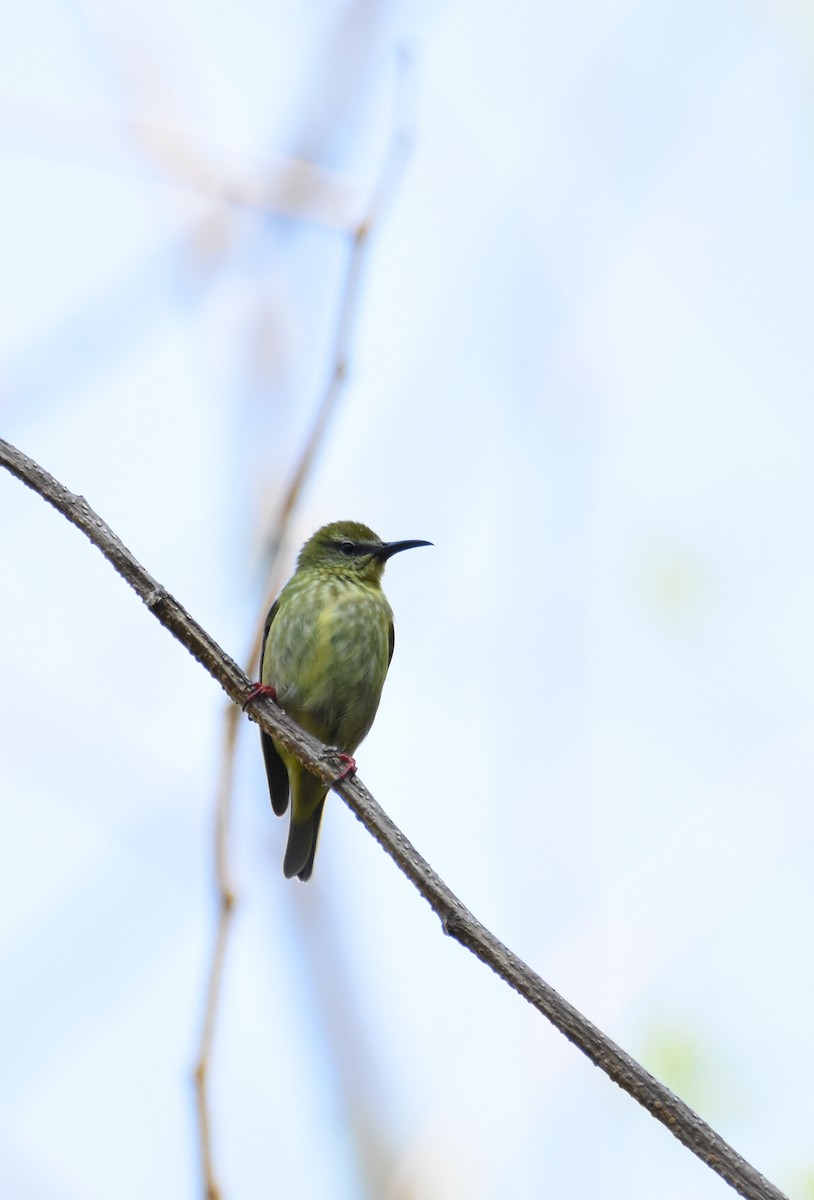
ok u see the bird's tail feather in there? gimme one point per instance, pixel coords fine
(302, 844)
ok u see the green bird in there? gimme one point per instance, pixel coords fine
(327, 646)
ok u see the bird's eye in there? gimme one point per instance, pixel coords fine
(347, 548)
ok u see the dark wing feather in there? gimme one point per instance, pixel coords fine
(266, 628)
(277, 775)
(392, 643)
(275, 767)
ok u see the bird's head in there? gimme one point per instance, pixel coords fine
(352, 550)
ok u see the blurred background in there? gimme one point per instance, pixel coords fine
(580, 362)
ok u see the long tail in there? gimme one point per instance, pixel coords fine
(302, 844)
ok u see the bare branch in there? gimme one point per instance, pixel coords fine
(278, 185)
(226, 909)
(456, 920)
(347, 310)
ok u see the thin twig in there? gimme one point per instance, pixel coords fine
(346, 317)
(226, 907)
(456, 920)
(348, 309)
(347, 312)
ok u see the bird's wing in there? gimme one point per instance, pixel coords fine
(275, 767)
(392, 636)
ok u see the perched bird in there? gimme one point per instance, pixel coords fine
(326, 650)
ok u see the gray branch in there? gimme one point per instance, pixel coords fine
(456, 920)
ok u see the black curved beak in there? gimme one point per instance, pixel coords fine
(390, 548)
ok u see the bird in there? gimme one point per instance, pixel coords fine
(327, 645)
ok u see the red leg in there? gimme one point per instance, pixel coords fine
(258, 690)
(350, 766)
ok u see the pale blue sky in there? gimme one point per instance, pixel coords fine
(582, 368)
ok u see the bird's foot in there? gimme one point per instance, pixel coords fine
(350, 766)
(257, 691)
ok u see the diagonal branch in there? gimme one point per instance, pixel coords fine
(455, 918)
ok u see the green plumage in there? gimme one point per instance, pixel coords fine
(326, 651)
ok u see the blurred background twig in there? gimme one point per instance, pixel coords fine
(361, 1122)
